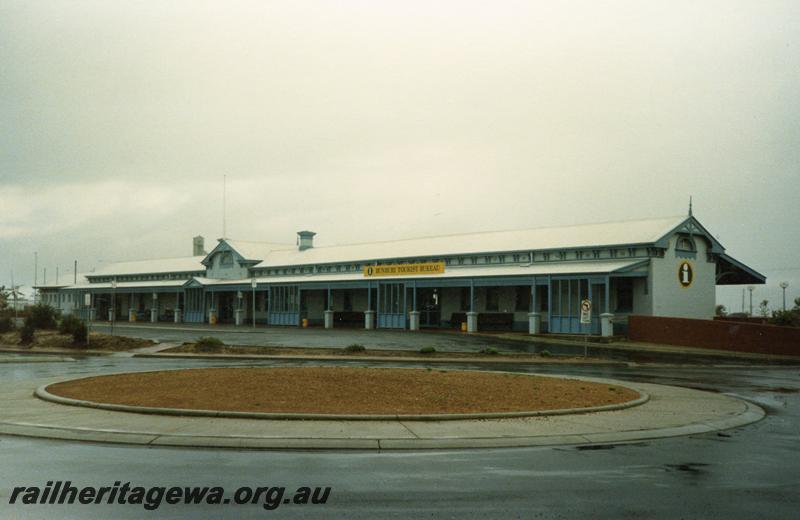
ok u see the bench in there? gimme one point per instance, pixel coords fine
(348, 319)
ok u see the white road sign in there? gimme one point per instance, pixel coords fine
(586, 311)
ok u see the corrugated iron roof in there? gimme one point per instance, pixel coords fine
(274, 254)
(580, 236)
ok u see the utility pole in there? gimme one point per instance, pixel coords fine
(751, 289)
(14, 296)
(35, 274)
(783, 285)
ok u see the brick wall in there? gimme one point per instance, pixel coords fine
(716, 334)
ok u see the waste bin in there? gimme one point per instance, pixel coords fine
(305, 323)
(463, 326)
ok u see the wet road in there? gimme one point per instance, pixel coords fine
(751, 472)
(443, 341)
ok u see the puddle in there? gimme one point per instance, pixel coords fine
(694, 468)
(595, 447)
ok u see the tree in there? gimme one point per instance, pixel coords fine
(764, 308)
(721, 310)
(43, 317)
(5, 294)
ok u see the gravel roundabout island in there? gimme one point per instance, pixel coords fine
(341, 391)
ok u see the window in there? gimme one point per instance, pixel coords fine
(226, 259)
(286, 299)
(523, 297)
(465, 299)
(543, 293)
(348, 301)
(686, 244)
(624, 295)
(492, 299)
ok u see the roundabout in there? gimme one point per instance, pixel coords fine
(661, 411)
(346, 393)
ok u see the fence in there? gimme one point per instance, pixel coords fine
(716, 334)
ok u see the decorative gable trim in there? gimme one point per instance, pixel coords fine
(693, 228)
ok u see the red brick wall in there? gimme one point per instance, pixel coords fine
(716, 334)
(743, 319)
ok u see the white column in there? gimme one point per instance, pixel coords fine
(472, 321)
(534, 323)
(369, 320)
(154, 309)
(413, 320)
(178, 317)
(606, 324)
(328, 319)
(132, 315)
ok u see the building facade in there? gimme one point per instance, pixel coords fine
(536, 280)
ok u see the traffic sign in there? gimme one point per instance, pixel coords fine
(586, 311)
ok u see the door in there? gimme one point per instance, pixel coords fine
(565, 311)
(391, 306)
(428, 304)
(193, 301)
(285, 305)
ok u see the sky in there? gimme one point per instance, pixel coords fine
(365, 120)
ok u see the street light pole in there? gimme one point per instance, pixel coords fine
(784, 285)
(113, 304)
(751, 289)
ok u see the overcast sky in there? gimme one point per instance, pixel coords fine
(369, 120)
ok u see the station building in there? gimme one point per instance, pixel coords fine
(535, 280)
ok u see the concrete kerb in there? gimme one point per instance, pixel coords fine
(42, 393)
(671, 411)
(387, 359)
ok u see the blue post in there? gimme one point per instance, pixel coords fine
(549, 302)
(472, 295)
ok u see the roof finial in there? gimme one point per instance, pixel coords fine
(224, 206)
(690, 205)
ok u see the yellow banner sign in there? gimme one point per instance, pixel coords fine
(372, 271)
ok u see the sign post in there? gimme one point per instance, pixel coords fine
(586, 319)
(87, 302)
(253, 284)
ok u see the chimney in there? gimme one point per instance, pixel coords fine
(198, 246)
(305, 240)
